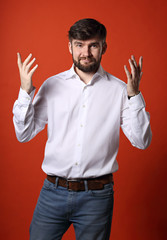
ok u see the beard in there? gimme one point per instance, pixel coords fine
(91, 67)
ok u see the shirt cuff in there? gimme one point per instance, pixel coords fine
(24, 97)
(137, 102)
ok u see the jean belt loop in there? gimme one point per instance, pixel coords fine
(86, 185)
(56, 182)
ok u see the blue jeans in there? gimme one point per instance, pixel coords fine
(89, 211)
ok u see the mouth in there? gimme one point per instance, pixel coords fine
(86, 60)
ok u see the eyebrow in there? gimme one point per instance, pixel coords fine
(81, 42)
(77, 42)
(97, 43)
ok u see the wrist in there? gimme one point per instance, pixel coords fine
(28, 90)
(133, 95)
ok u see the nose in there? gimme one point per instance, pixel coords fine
(86, 51)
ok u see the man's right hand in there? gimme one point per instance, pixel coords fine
(26, 73)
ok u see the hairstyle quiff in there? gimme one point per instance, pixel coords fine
(87, 28)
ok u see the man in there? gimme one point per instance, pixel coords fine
(84, 108)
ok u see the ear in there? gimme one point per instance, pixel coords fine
(70, 47)
(104, 48)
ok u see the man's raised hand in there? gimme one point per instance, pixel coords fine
(133, 79)
(25, 72)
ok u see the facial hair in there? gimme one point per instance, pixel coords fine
(92, 67)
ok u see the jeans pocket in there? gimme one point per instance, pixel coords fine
(47, 185)
(107, 191)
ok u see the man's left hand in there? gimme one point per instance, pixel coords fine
(134, 78)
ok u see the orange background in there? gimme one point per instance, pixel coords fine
(40, 27)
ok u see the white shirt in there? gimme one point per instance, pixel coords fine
(83, 122)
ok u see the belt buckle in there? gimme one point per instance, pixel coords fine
(67, 183)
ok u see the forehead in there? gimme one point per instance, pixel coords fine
(87, 42)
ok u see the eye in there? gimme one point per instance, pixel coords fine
(79, 45)
(94, 45)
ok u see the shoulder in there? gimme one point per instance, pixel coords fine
(115, 82)
(54, 84)
(55, 78)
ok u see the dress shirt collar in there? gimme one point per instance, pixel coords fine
(71, 73)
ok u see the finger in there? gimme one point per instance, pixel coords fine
(127, 72)
(134, 60)
(27, 60)
(33, 70)
(30, 64)
(133, 69)
(140, 63)
(19, 62)
(141, 74)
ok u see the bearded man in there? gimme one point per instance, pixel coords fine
(84, 108)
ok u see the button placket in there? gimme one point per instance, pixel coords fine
(80, 130)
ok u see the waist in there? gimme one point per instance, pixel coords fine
(82, 184)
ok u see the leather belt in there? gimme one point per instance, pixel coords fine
(79, 184)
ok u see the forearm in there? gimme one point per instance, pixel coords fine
(136, 123)
(23, 116)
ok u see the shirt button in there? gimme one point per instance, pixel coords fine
(76, 164)
(81, 125)
(83, 106)
(79, 145)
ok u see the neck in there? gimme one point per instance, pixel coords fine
(84, 76)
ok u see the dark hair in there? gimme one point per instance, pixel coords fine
(87, 28)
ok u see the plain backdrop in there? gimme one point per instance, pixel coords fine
(40, 28)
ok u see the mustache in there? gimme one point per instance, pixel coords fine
(87, 58)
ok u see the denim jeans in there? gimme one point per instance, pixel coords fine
(89, 211)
